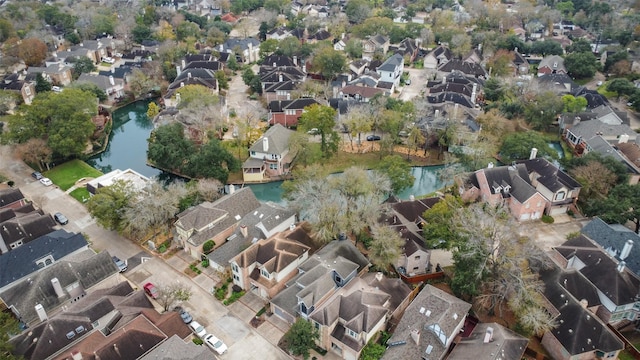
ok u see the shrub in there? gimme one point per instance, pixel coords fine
(162, 248)
(11, 183)
(261, 311)
(221, 292)
(547, 219)
(198, 341)
(234, 296)
(208, 246)
(205, 263)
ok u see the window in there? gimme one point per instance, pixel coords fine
(264, 273)
(234, 267)
(352, 333)
(27, 90)
(560, 195)
(273, 166)
(417, 257)
(44, 262)
(289, 112)
(235, 277)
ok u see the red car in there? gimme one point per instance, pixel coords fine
(151, 290)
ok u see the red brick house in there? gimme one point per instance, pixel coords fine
(287, 112)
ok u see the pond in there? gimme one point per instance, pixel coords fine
(127, 149)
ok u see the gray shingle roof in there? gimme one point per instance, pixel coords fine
(517, 178)
(392, 63)
(21, 261)
(176, 348)
(278, 139)
(591, 128)
(550, 175)
(431, 309)
(9, 196)
(505, 344)
(613, 238)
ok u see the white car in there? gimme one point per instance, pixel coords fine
(108, 60)
(197, 329)
(46, 181)
(215, 344)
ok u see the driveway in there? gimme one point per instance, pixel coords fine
(418, 79)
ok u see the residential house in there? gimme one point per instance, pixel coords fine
(320, 35)
(280, 76)
(560, 83)
(407, 48)
(357, 312)
(114, 88)
(47, 250)
(630, 153)
(375, 44)
(269, 155)
(615, 286)
(122, 72)
(262, 223)
(507, 185)
(229, 18)
(580, 134)
(520, 64)
(437, 57)
(468, 68)
(360, 93)
(428, 327)
(579, 333)
(57, 74)
(176, 348)
(406, 219)
(287, 112)
(36, 297)
(490, 341)
(203, 73)
(391, 70)
(247, 50)
(279, 33)
(556, 186)
(19, 226)
(552, 64)
(318, 278)
(474, 56)
(95, 50)
(114, 323)
(135, 181)
(620, 242)
(267, 265)
(594, 99)
(16, 83)
(213, 220)
(136, 56)
(456, 88)
(12, 198)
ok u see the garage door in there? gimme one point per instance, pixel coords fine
(558, 210)
(525, 216)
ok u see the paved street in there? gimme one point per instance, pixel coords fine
(232, 327)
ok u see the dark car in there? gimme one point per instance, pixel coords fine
(61, 219)
(37, 175)
(373, 138)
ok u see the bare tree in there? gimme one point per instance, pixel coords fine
(170, 294)
(35, 151)
(209, 189)
(385, 247)
(357, 121)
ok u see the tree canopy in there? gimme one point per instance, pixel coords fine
(517, 146)
(301, 337)
(321, 117)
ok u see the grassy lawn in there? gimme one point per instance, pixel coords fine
(602, 90)
(66, 175)
(81, 194)
(625, 356)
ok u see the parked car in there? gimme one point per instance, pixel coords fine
(151, 290)
(119, 263)
(108, 60)
(186, 317)
(215, 344)
(197, 329)
(37, 175)
(60, 218)
(373, 138)
(46, 181)
(313, 131)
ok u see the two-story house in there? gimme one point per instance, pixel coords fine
(113, 87)
(436, 57)
(357, 312)
(12, 198)
(21, 225)
(579, 333)
(558, 188)
(267, 265)
(490, 341)
(391, 70)
(247, 50)
(428, 327)
(329, 269)
(287, 112)
(617, 240)
(58, 74)
(17, 84)
(374, 44)
(269, 155)
(552, 64)
(213, 220)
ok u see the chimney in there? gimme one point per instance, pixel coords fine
(42, 314)
(178, 70)
(292, 227)
(490, 165)
(474, 94)
(621, 266)
(111, 80)
(280, 78)
(184, 64)
(379, 276)
(189, 74)
(232, 189)
(244, 230)
(182, 84)
(623, 139)
(626, 250)
(274, 64)
(76, 355)
(304, 68)
(342, 36)
(534, 153)
(436, 114)
(265, 144)
(444, 79)
(584, 303)
(488, 335)
(57, 287)
(115, 348)
(3, 246)
(220, 48)
(113, 70)
(412, 198)
(415, 336)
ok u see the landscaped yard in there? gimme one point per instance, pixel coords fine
(81, 194)
(66, 175)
